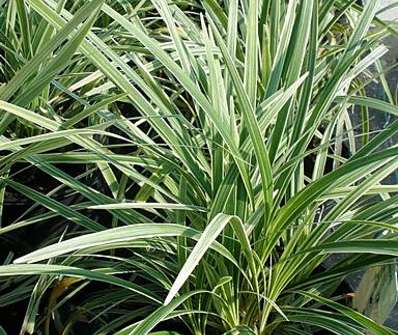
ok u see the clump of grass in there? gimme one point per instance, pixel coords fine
(219, 166)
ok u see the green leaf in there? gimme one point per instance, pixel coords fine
(146, 325)
(56, 206)
(149, 205)
(209, 235)
(122, 234)
(361, 320)
(40, 269)
(378, 247)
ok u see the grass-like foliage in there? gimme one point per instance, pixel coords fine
(192, 166)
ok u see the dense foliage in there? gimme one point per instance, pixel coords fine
(191, 166)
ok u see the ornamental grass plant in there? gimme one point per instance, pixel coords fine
(196, 167)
